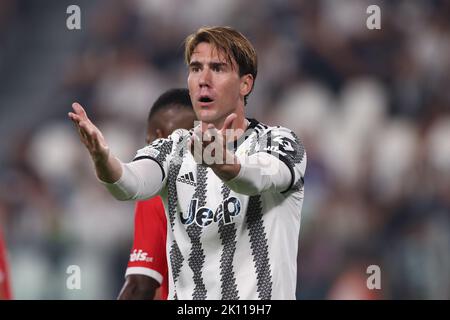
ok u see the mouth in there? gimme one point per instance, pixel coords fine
(205, 100)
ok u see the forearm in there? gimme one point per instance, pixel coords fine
(141, 180)
(259, 173)
(108, 171)
(138, 287)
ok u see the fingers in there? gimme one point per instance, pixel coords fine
(82, 134)
(210, 134)
(95, 143)
(92, 135)
(79, 110)
(99, 141)
(198, 142)
(79, 113)
(85, 134)
(85, 127)
(74, 117)
(89, 134)
(207, 147)
(93, 139)
(228, 123)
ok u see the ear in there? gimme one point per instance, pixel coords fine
(159, 134)
(151, 136)
(246, 84)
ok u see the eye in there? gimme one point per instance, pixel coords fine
(195, 68)
(216, 68)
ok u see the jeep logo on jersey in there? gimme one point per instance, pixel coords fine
(140, 256)
(203, 217)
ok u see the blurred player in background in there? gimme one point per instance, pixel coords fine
(5, 287)
(232, 187)
(146, 275)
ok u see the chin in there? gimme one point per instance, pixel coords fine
(207, 116)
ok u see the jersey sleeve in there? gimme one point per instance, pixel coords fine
(158, 151)
(5, 285)
(284, 144)
(148, 254)
(164, 150)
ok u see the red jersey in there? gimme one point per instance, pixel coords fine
(148, 255)
(5, 288)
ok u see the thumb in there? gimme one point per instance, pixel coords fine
(228, 123)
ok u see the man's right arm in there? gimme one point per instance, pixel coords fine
(139, 287)
(107, 166)
(136, 180)
(144, 275)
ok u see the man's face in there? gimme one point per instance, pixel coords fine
(214, 85)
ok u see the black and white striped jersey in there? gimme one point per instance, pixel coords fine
(226, 245)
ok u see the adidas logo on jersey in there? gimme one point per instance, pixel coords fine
(187, 178)
(140, 256)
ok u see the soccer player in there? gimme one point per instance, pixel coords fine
(146, 275)
(232, 187)
(5, 287)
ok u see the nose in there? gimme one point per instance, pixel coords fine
(205, 78)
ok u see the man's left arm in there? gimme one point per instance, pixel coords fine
(277, 165)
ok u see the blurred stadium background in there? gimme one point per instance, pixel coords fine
(372, 107)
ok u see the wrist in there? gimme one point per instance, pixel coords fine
(108, 169)
(100, 159)
(225, 171)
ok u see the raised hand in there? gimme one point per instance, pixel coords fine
(90, 135)
(209, 147)
(227, 124)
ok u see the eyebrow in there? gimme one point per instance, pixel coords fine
(211, 64)
(195, 64)
(218, 64)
